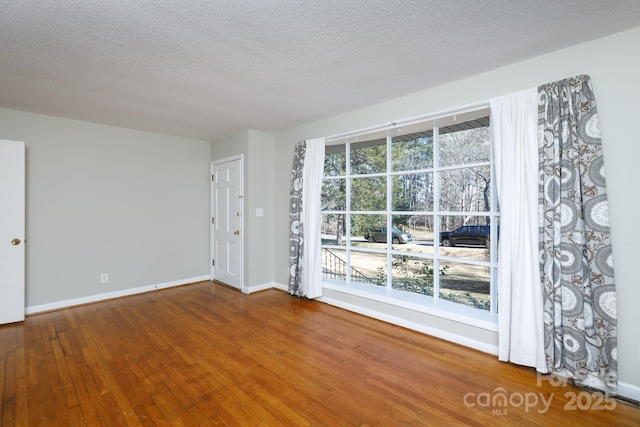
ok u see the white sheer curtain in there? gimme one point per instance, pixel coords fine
(311, 190)
(514, 120)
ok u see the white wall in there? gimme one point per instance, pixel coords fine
(260, 195)
(613, 66)
(102, 199)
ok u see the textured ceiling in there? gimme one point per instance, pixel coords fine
(205, 69)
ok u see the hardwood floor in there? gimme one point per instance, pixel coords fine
(204, 354)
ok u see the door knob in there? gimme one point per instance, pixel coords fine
(15, 242)
(237, 232)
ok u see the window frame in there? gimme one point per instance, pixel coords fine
(433, 305)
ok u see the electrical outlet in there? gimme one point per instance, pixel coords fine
(104, 278)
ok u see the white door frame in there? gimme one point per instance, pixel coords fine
(214, 163)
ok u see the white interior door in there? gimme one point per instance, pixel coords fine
(226, 264)
(12, 231)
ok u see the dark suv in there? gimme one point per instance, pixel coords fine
(466, 235)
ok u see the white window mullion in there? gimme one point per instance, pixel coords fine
(347, 216)
(389, 217)
(493, 235)
(436, 216)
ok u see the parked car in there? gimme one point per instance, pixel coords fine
(467, 235)
(380, 235)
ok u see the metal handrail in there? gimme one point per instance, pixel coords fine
(334, 267)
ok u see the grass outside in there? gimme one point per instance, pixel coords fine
(459, 282)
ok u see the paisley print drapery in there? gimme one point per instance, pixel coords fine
(305, 265)
(296, 240)
(579, 296)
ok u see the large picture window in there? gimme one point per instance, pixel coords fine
(411, 212)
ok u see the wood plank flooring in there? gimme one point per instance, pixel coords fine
(204, 354)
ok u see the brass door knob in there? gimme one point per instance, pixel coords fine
(237, 232)
(15, 242)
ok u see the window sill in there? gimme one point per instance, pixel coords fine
(420, 303)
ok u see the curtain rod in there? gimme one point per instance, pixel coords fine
(440, 114)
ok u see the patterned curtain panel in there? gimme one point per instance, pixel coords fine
(296, 240)
(305, 264)
(576, 260)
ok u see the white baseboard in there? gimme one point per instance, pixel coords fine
(263, 287)
(110, 295)
(257, 288)
(626, 391)
(448, 336)
(281, 286)
(629, 391)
